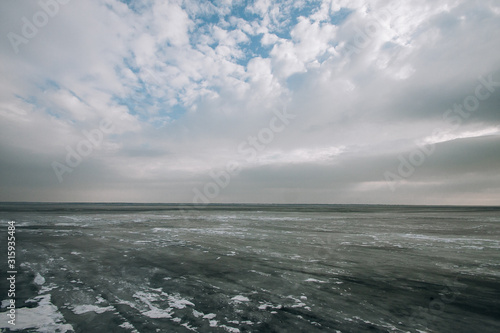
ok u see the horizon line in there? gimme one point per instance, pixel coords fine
(243, 203)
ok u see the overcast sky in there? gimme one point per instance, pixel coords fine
(332, 101)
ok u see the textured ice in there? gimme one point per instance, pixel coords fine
(347, 269)
(158, 313)
(154, 311)
(230, 329)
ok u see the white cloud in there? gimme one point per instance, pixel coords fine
(449, 136)
(263, 81)
(285, 59)
(312, 39)
(260, 7)
(171, 23)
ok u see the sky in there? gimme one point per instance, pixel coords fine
(227, 101)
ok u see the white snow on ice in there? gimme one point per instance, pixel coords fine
(240, 298)
(44, 318)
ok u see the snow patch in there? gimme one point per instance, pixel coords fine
(129, 326)
(45, 318)
(46, 288)
(209, 316)
(197, 314)
(264, 306)
(80, 309)
(175, 301)
(39, 280)
(315, 280)
(240, 298)
(189, 327)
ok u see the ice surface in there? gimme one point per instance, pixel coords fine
(292, 268)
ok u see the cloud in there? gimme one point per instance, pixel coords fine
(185, 83)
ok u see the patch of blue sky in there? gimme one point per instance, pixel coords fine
(135, 107)
(250, 49)
(32, 100)
(306, 10)
(128, 61)
(175, 112)
(287, 18)
(340, 16)
(290, 15)
(326, 55)
(254, 49)
(199, 30)
(145, 107)
(143, 75)
(240, 10)
(138, 102)
(49, 84)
